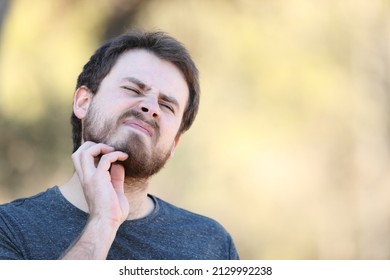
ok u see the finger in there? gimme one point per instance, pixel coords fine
(108, 159)
(77, 166)
(76, 154)
(86, 145)
(87, 157)
(76, 157)
(96, 149)
(117, 173)
(93, 148)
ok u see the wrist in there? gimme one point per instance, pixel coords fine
(94, 242)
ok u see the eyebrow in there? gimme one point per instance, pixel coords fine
(145, 87)
(170, 99)
(138, 82)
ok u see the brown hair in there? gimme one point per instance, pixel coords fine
(160, 44)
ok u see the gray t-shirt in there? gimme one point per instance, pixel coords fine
(45, 225)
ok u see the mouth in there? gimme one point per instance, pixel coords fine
(140, 126)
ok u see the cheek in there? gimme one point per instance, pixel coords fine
(168, 132)
(108, 110)
(173, 125)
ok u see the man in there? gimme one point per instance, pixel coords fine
(134, 99)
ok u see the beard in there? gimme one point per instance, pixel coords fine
(143, 162)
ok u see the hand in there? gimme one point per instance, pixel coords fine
(102, 182)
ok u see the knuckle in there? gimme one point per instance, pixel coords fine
(75, 156)
(105, 157)
(83, 154)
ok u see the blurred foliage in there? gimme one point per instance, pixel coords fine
(290, 150)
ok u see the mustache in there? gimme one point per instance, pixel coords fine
(138, 115)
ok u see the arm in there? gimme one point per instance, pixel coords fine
(93, 243)
(103, 187)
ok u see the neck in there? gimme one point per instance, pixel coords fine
(135, 191)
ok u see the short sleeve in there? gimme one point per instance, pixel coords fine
(233, 254)
(8, 241)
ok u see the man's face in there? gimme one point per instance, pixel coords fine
(138, 110)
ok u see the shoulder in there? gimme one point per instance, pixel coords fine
(26, 211)
(186, 218)
(39, 226)
(27, 204)
(40, 209)
(18, 219)
(204, 232)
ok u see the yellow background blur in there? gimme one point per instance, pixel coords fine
(290, 150)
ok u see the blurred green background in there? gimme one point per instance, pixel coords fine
(290, 150)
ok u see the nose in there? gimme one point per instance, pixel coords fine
(150, 108)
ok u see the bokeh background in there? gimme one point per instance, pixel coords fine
(290, 150)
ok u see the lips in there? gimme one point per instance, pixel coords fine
(140, 126)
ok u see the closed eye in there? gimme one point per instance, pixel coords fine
(169, 102)
(169, 107)
(132, 89)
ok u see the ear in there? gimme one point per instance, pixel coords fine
(174, 144)
(81, 100)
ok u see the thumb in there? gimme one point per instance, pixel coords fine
(117, 173)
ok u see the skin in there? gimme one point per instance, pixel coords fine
(138, 81)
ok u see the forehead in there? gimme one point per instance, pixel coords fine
(158, 74)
